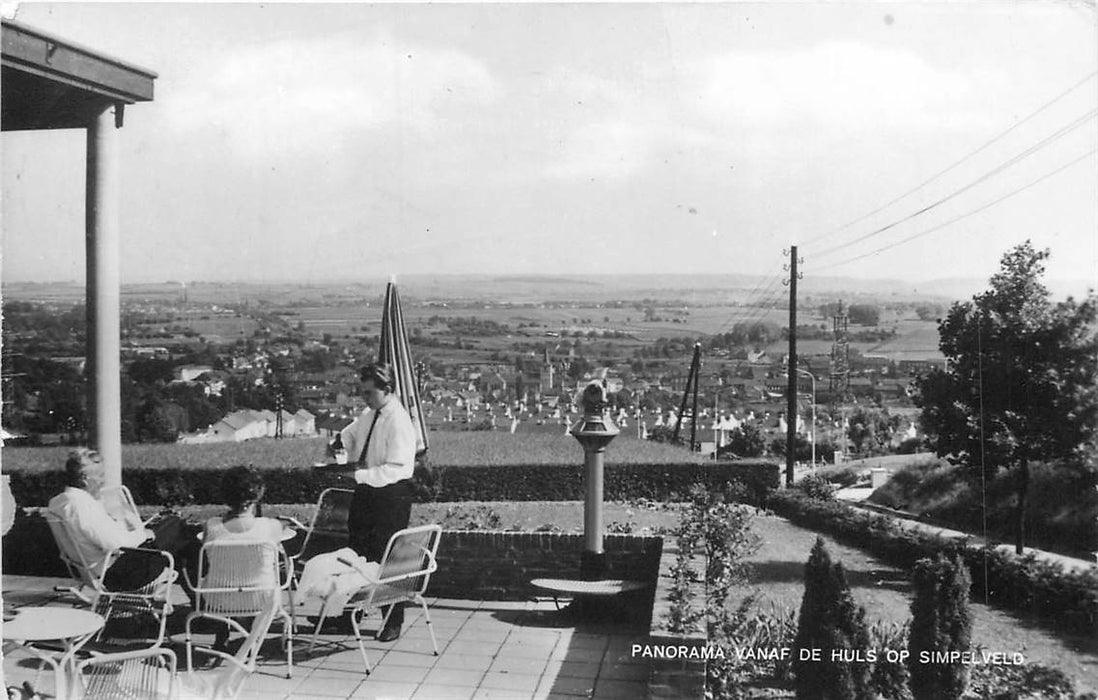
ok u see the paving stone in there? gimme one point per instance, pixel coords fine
(619, 690)
(500, 694)
(625, 672)
(573, 669)
(516, 682)
(419, 645)
(418, 659)
(320, 683)
(381, 690)
(511, 664)
(443, 692)
(398, 674)
(469, 662)
(454, 676)
(562, 685)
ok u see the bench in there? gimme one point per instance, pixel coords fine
(558, 587)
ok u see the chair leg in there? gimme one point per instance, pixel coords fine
(163, 629)
(356, 619)
(316, 630)
(427, 619)
(288, 640)
(190, 660)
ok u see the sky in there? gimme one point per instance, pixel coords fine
(351, 141)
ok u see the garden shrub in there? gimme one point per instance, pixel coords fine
(719, 532)
(940, 623)
(1025, 584)
(1006, 682)
(890, 679)
(546, 482)
(816, 487)
(831, 622)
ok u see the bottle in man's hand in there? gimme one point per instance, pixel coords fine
(338, 450)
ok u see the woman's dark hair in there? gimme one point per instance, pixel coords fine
(241, 486)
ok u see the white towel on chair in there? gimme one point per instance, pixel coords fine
(336, 576)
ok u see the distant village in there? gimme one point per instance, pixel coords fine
(281, 383)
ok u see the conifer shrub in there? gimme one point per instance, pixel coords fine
(941, 623)
(831, 622)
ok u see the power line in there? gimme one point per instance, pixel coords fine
(966, 214)
(1060, 133)
(773, 295)
(763, 304)
(752, 298)
(958, 162)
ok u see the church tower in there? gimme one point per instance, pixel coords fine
(547, 373)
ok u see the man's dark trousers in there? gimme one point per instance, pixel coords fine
(376, 513)
(133, 570)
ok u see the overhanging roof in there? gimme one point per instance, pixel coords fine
(53, 83)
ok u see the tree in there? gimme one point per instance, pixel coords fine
(746, 441)
(1020, 382)
(940, 622)
(665, 433)
(864, 314)
(928, 312)
(869, 428)
(830, 621)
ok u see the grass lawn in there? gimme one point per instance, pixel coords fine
(489, 448)
(885, 592)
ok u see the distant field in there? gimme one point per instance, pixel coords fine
(447, 448)
(915, 340)
(349, 319)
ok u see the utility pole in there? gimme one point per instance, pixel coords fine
(694, 410)
(791, 385)
(691, 384)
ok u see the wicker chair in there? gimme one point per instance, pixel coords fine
(150, 674)
(154, 598)
(241, 578)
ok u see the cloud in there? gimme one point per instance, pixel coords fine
(760, 104)
(604, 150)
(302, 93)
(606, 129)
(835, 85)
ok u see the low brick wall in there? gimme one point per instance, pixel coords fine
(682, 677)
(490, 565)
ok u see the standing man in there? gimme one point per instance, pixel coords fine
(382, 443)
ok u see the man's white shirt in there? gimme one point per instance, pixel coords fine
(94, 531)
(391, 454)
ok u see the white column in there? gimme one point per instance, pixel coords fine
(104, 327)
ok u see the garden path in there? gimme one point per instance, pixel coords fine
(885, 592)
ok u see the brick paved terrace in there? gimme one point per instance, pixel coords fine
(488, 649)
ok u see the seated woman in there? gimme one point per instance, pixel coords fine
(242, 488)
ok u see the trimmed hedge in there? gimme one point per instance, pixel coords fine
(660, 482)
(1023, 584)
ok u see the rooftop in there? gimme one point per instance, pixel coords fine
(53, 83)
